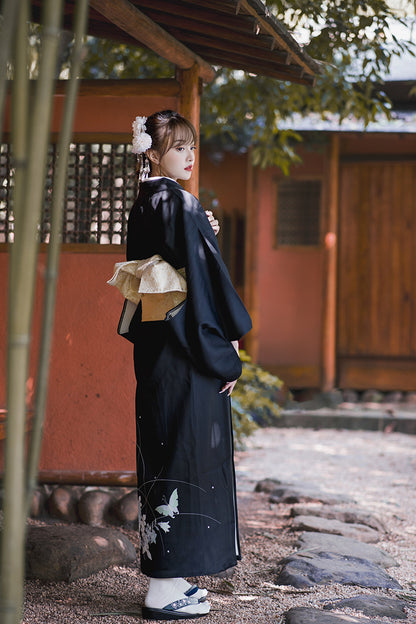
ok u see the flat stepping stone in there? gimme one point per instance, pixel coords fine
(267, 485)
(308, 570)
(335, 527)
(308, 615)
(291, 493)
(344, 546)
(351, 516)
(67, 553)
(373, 606)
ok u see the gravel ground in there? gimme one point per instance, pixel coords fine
(377, 470)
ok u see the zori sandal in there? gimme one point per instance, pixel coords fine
(170, 611)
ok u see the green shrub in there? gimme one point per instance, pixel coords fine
(254, 400)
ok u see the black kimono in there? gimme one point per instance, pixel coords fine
(185, 469)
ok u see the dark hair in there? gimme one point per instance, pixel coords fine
(167, 129)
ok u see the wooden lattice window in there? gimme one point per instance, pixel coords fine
(298, 212)
(101, 189)
(6, 181)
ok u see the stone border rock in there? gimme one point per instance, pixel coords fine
(67, 553)
(90, 505)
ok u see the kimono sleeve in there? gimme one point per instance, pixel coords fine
(213, 314)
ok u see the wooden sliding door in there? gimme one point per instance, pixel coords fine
(376, 341)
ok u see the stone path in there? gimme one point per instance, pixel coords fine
(337, 541)
(373, 411)
(333, 551)
(296, 568)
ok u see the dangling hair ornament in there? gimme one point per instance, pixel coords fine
(141, 143)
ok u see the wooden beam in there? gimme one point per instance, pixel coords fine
(160, 9)
(231, 45)
(103, 478)
(189, 107)
(142, 86)
(330, 271)
(251, 341)
(262, 68)
(213, 31)
(128, 18)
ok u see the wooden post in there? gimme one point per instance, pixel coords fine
(251, 342)
(189, 107)
(330, 271)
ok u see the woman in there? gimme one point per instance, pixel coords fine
(186, 364)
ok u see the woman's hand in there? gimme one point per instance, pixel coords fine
(213, 221)
(230, 384)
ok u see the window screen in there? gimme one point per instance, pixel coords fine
(101, 189)
(298, 212)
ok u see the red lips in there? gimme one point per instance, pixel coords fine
(189, 168)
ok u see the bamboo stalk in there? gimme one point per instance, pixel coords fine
(24, 259)
(11, 585)
(59, 187)
(7, 29)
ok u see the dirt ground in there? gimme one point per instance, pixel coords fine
(375, 469)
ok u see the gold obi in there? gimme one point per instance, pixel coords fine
(153, 282)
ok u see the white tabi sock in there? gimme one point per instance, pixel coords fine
(162, 592)
(185, 586)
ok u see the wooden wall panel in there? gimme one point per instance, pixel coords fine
(377, 273)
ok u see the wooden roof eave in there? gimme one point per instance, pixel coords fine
(291, 73)
(238, 56)
(132, 21)
(255, 27)
(211, 29)
(270, 25)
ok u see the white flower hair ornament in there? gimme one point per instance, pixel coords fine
(141, 140)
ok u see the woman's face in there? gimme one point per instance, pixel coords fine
(178, 162)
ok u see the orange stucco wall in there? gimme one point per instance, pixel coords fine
(109, 114)
(288, 281)
(289, 284)
(90, 411)
(227, 177)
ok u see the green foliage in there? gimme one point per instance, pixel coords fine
(107, 59)
(355, 42)
(254, 399)
(354, 39)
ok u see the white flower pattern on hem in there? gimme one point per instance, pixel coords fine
(148, 531)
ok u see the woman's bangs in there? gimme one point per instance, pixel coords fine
(183, 134)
